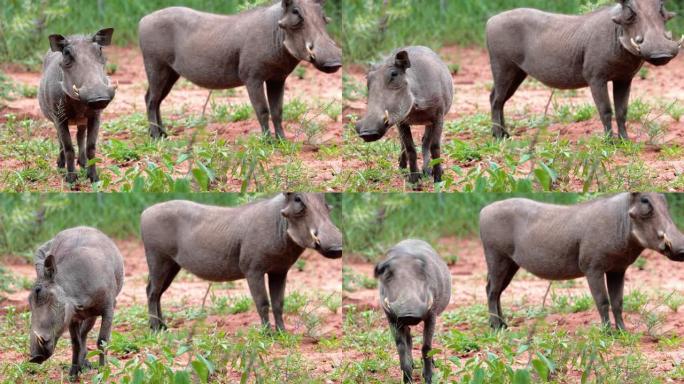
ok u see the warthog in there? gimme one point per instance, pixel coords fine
(226, 244)
(411, 86)
(415, 286)
(80, 273)
(74, 89)
(598, 239)
(569, 52)
(256, 47)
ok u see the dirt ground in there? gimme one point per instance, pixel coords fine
(315, 89)
(472, 84)
(189, 291)
(525, 291)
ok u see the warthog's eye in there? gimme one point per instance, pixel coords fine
(297, 199)
(630, 15)
(67, 57)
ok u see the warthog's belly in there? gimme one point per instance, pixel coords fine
(549, 266)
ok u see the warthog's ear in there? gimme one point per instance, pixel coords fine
(287, 3)
(402, 60)
(57, 43)
(103, 36)
(49, 268)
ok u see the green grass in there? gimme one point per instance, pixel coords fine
(537, 158)
(536, 350)
(197, 160)
(198, 351)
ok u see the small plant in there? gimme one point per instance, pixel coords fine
(640, 263)
(643, 73)
(300, 72)
(454, 68)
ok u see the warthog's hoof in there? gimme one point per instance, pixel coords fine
(92, 175)
(500, 133)
(157, 133)
(71, 177)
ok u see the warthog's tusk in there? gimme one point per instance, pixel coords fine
(73, 87)
(116, 85)
(40, 339)
(430, 302)
(313, 235)
(387, 304)
(387, 117)
(309, 49)
(635, 45)
(681, 41)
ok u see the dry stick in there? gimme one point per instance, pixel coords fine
(533, 330)
(206, 102)
(533, 144)
(191, 334)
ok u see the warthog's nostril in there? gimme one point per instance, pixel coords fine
(639, 39)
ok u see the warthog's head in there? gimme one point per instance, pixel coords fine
(50, 315)
(306, 37)
(83, 65)
(309, 224)
(404, 292)
(389, 98)
(644, 32)
(652, 225)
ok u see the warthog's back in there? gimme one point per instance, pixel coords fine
(547, 46)
(86, 256)
(429, 77)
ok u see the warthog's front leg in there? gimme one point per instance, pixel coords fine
(91, 143)
(68, 150)
(434, 133)
(255, 89)
(621, 91)
(597, 284)
(257, 287)
(599, 91)
(428, 361)
(81, 139)
(276, 287)
(410, 151)
(76, 347)
(86, 326)
(616, 284)
(402, 338)
(275, 90)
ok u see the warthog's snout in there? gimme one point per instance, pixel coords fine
(96, 98)
(409, 311)
(41, 349)
(660, 59)
(333, 252)
(328, 242)
(671, 245)
(326, 58)
(372, 132)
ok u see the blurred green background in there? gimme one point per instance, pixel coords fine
(29, 219)
(26, 24)
(364, 28)
(371, 28)
(372, 223)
